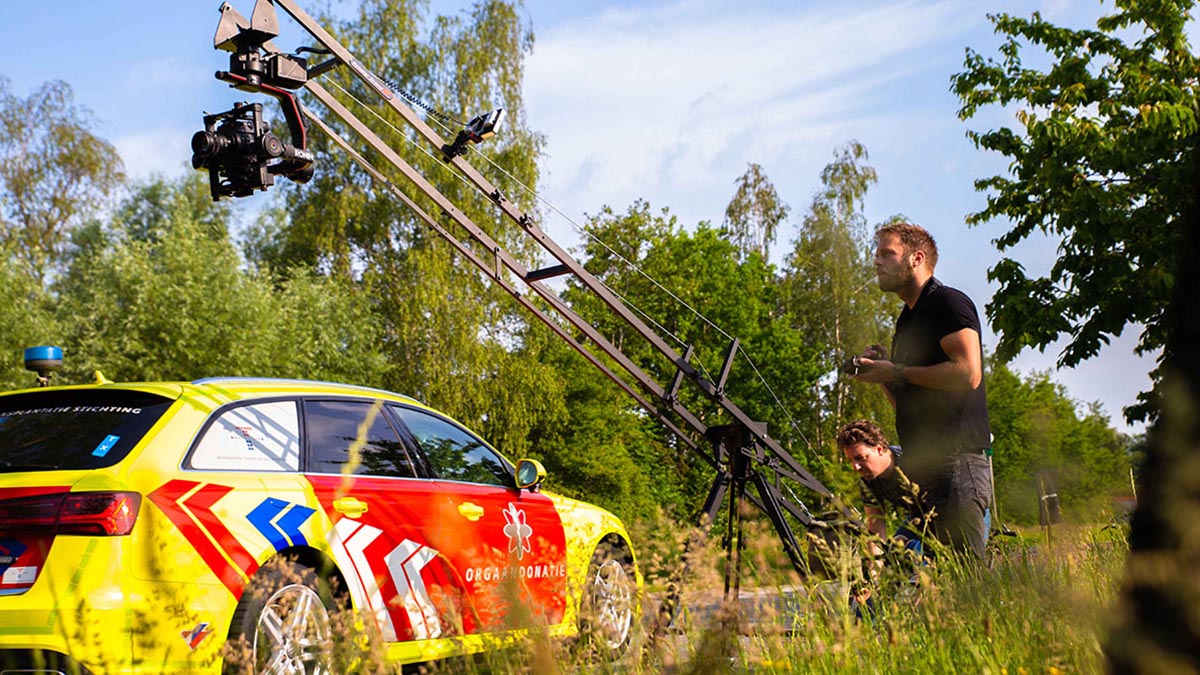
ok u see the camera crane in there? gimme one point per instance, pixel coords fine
(241, 156)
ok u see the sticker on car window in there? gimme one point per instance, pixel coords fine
(256, 437)
(105, 445)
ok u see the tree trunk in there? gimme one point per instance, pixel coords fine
(1157, 629)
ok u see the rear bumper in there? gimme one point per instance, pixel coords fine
(73, 610)
(81, 636)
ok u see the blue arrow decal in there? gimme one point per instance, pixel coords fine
(291, 521)
(261, 518)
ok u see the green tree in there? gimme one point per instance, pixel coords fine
(1098, 163)
(162, 294)
(1108, 162)
(829, 290)
(753, 216)
(693, 289)
(54, 171)
(1152, 631)
(26, 320)
(1038, 428)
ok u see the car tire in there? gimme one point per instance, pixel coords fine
(607, 610)
(282, 624)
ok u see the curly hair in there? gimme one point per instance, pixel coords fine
(861, 431)
(912, 238)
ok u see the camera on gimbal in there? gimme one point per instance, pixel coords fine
(241, 154)
(238, 148)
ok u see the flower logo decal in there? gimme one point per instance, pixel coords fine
(517, 531)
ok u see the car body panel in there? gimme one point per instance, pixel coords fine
(500, 540)
(436, 562)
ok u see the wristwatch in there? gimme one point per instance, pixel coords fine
(898, 374)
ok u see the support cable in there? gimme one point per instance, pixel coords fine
(405, 136)
(630, 265)
(425, 150)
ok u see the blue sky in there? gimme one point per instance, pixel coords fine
(665, 100)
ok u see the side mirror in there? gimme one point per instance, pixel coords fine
(530, 474)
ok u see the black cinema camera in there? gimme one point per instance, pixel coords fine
(242, 155)
(237, 148)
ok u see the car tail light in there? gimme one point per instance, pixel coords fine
(86, 513)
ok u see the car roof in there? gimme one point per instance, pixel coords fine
(251, 385)
(226, 389)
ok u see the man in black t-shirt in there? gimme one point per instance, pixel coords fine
(935, 380)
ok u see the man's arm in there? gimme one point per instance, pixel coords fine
(877, 526)
(875, 522)
(963, 372)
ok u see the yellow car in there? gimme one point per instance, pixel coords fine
(143, 527)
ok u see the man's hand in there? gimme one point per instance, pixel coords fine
(872, 366)
(879, 371)
(876, 352)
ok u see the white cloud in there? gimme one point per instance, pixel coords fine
(155, 151)
(670, 102)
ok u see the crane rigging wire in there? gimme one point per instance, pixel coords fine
(662, 329)
(441, 119)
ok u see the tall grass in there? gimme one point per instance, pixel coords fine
(1038, 607)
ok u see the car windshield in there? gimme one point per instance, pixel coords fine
(76, 429)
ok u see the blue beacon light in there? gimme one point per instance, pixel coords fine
(43, 360)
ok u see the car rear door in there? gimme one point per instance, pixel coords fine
(506, 545)
(385, 538)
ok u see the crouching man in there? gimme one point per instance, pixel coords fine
(883, 483)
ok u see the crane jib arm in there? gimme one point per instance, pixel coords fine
(741, 452)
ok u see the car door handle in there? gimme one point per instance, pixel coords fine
(350, 506)
(471, 512)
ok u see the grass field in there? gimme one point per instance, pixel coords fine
(1040, 608)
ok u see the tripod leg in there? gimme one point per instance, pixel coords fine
(733, 540)
(669, 607)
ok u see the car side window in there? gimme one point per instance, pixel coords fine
(253, 437)
(454, 453)
(334, 427)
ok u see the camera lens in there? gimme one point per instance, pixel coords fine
(206, 143)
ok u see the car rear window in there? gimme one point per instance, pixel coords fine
(83, 429)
